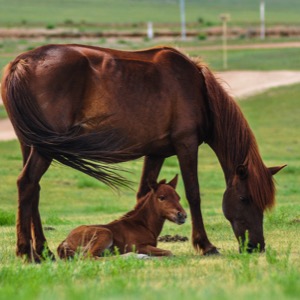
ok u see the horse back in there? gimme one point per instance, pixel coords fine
(155, 94)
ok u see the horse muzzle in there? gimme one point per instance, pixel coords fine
(255, 247)
(252, 247)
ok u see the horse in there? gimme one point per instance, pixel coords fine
(136, 231)
(90, 107)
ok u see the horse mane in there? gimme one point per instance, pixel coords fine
(231, 133)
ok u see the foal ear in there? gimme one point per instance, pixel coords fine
(274, 170)
(241, 171)
(173, 182)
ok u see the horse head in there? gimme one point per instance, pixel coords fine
(244, 202)
(166, 201)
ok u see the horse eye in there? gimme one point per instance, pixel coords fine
(161, 197)
(244, 199)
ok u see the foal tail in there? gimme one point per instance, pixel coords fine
(90, 153)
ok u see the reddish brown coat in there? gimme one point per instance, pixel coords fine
(138, 230)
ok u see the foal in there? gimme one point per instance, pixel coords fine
(137, 230)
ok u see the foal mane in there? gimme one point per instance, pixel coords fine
(141, 202)
(234, 142)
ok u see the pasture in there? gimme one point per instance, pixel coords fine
(68, 12)
(69, 198)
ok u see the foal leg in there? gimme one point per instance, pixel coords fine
(154, 251)
(28, 215)
(151, 169)
(187, 153)
(102, 239)
(91, 241)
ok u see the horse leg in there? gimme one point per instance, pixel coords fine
(28, 215)
(151, 169)
(39, 239)
(187, 154)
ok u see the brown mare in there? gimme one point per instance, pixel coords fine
(83, 105)
(137, 230)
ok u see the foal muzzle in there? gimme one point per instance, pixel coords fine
(180, 218)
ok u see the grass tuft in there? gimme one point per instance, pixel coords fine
(7, 218)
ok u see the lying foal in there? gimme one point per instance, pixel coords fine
(137, 230)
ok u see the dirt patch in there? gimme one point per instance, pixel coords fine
(242, 84)
(172, 238)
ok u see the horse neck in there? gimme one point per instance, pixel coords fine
(233, 141)
(231, 137)
(146, 214)
(234, 144)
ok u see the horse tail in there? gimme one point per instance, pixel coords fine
(90, 153)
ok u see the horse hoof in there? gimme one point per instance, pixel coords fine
(44, 253)
(47, 254)
(211, 251)
(31, 258)
(34, 257)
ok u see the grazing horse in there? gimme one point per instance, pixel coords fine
(137, 230)
(89, 107)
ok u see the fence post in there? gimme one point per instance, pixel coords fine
(182, 14)
(150, 33)
(224, 18)
(262, 20)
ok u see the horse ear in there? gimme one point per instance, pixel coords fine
(173, 182)
(274, 170)
(241, 171)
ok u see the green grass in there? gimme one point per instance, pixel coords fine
(69, 198)
(67, 12)
(252, 59)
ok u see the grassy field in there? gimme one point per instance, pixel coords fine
(69, 198)
(52, 12)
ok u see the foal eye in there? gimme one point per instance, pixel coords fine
(161, 197)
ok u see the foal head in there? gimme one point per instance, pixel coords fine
(166, 201)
